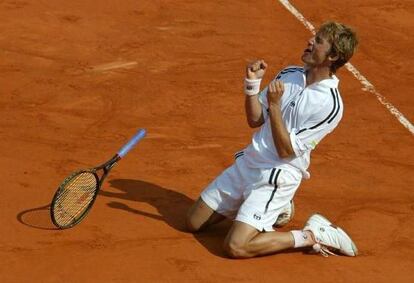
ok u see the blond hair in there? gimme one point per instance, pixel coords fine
(343, 40)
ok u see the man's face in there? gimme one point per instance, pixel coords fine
(317, 51)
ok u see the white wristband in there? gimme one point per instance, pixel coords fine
(251, 87)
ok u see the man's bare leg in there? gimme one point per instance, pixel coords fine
(244, 241)
(200, 216)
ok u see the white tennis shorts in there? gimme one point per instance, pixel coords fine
(255, 196)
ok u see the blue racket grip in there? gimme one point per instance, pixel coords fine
(132, 142)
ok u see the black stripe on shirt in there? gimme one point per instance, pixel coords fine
(289, 70)
(238, 154)
(275, 184)
(292, 69)
(337, 109)
(286, 72)
(301, 131)
(331, 115)
(271, 176)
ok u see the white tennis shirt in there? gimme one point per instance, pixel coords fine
(309, 113)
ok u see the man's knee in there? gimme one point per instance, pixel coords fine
(235, 249)
(238, 240)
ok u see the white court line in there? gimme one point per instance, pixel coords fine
(114, 65)
(367, 86)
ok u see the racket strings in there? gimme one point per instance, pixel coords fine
(76, 197)
(76, 194)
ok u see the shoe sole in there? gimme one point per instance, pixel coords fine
(321, 219)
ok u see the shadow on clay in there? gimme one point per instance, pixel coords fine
(38, 218)
(171, 205)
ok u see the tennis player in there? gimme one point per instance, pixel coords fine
(293, 114)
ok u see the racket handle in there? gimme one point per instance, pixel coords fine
(132, 142)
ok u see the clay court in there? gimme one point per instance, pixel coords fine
(78, 78)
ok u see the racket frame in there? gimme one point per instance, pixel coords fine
(106, 167)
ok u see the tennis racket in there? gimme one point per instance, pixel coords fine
(77, 193)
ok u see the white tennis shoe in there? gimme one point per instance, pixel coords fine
(329, 238)
(286, 215)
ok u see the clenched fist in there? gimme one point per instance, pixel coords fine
(275, 92)
(256, 70)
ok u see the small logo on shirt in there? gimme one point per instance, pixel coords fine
(257, 217)
(292, 104)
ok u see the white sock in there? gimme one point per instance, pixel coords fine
(301, 238)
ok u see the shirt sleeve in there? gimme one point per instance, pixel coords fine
(263, 102)
(315, 128)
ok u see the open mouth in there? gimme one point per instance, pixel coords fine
(307, 50)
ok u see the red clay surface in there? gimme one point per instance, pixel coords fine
(77, 79)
